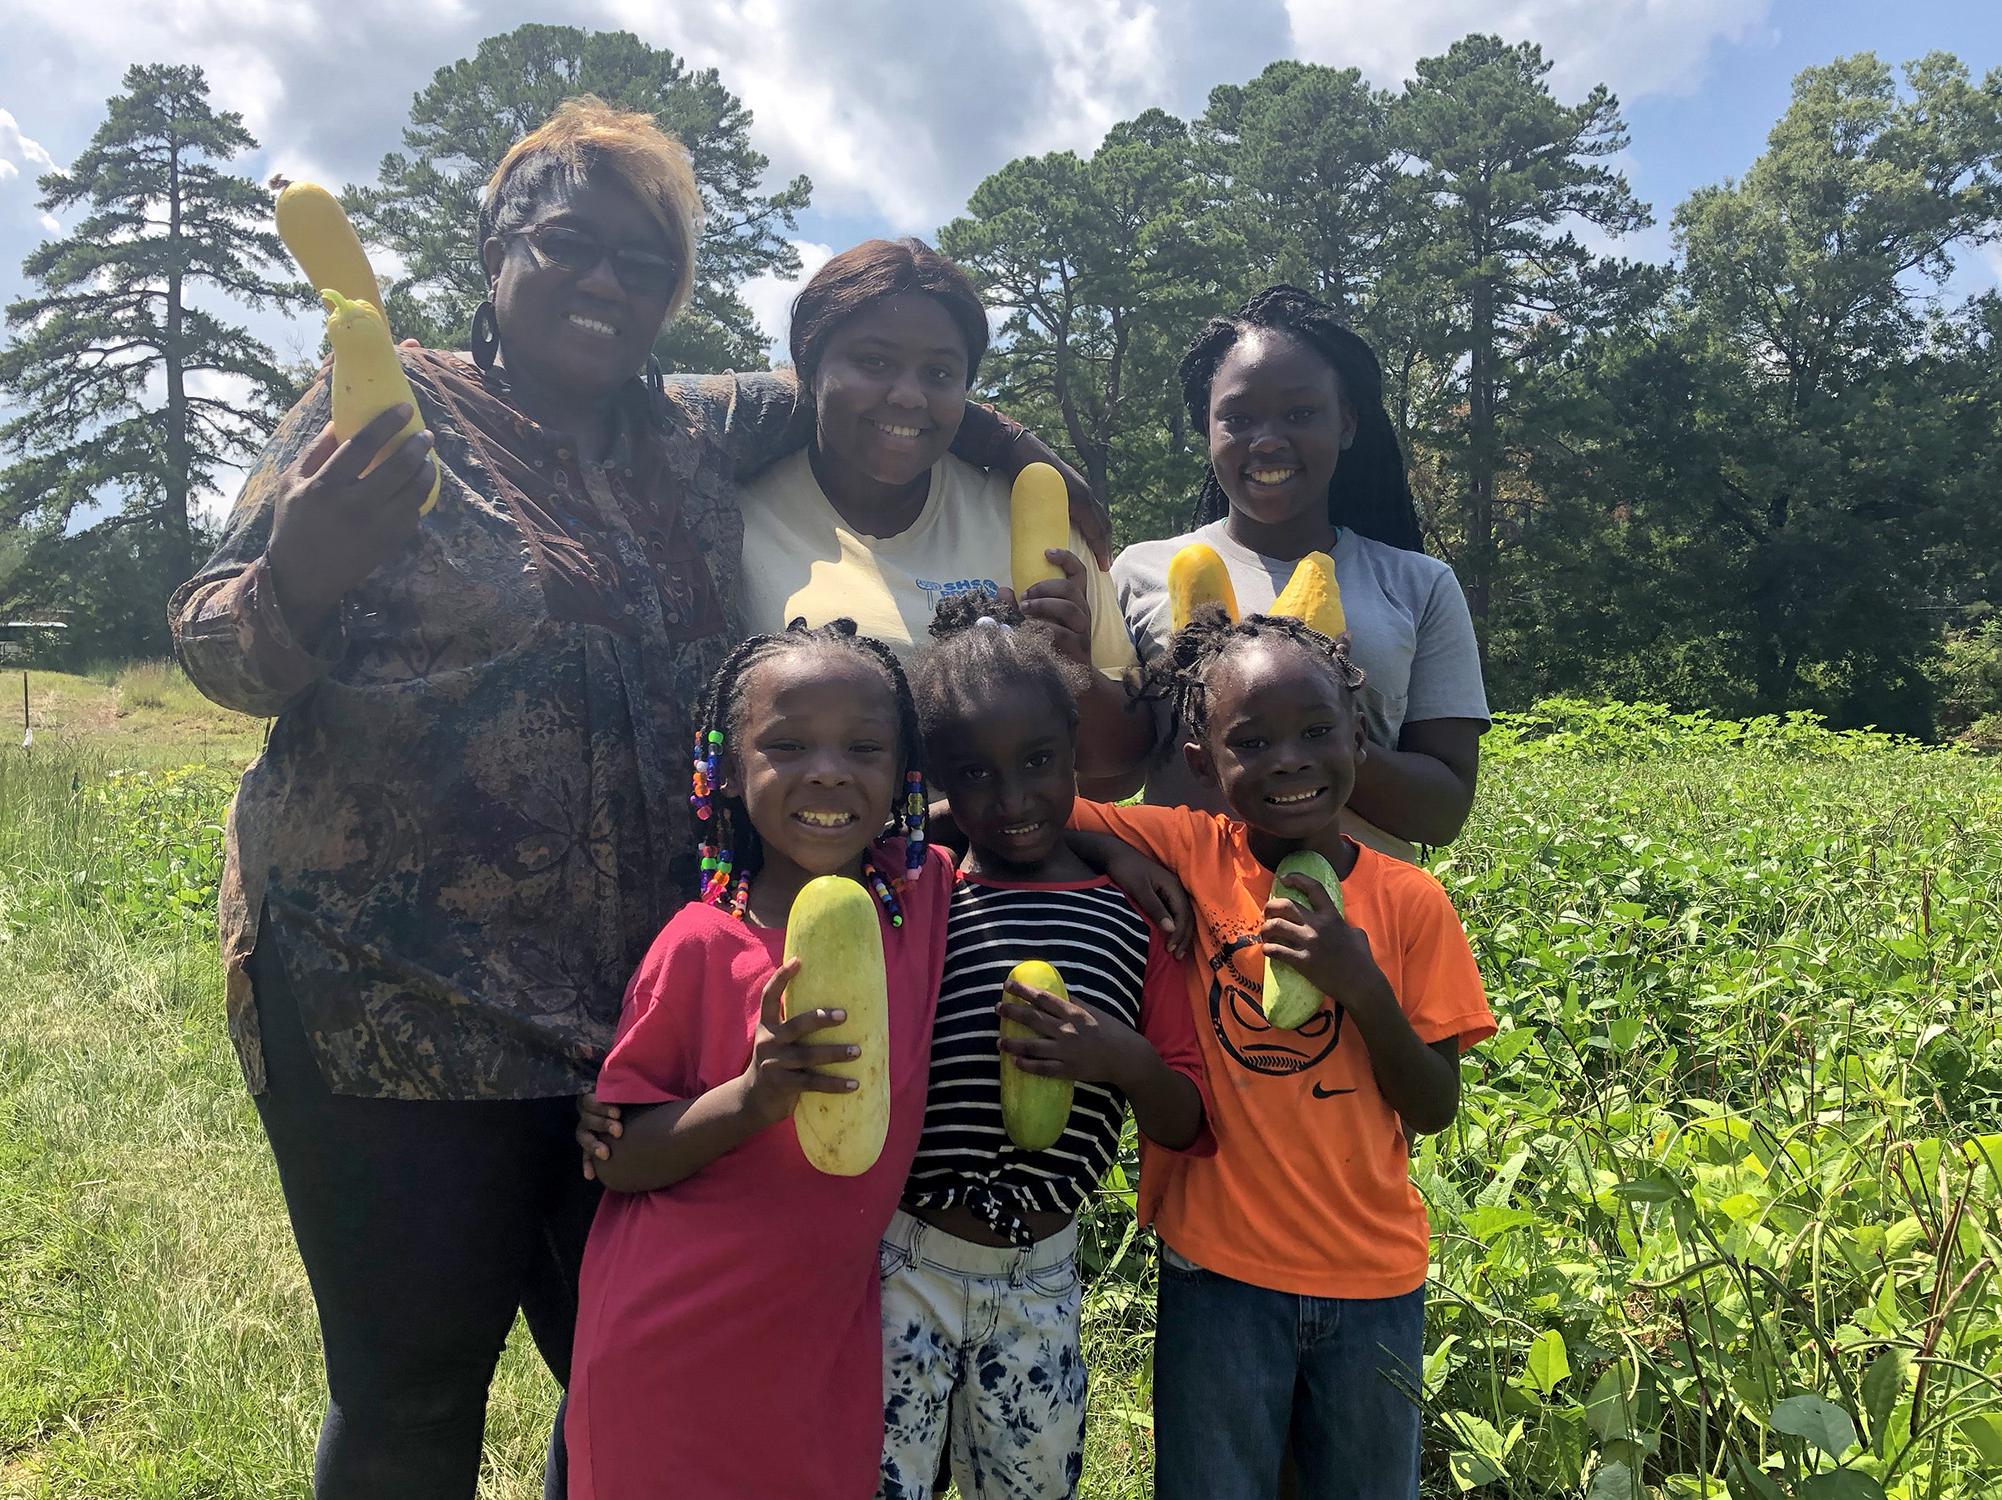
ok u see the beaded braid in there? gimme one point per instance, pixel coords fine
(1180, 674)
(1370, 493)
(732, 845)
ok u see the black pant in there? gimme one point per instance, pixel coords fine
(423, 1227)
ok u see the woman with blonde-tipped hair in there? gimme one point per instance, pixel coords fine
(472, 812)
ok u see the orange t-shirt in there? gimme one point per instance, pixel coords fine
(1309, 1190)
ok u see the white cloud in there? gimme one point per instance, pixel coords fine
(51, 224)
(19, 147)
(770, 297)
(897, 109)
(18, 150)
(1639, 47)
(297, 70)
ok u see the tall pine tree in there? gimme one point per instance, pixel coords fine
(1300, 163)
(132, 396)
(1506, 174)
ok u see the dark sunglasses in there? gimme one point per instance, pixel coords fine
(641, 272)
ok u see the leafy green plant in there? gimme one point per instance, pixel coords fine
(141, 847)
(1721, 1213)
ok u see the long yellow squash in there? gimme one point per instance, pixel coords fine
(316, 230)
(368, 377)
(834, 933)
(1197, 576)
(1040, 518)
(1034, 1109)
(1312, 596)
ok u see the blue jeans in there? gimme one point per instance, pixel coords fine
(1236, 1367)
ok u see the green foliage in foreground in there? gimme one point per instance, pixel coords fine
(1721, 1214)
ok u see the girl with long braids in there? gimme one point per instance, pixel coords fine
(727, 1282)
(1303, 459)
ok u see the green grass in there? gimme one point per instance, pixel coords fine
(1721, 1214)
(138, 714)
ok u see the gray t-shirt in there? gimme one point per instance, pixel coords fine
(1408, 626)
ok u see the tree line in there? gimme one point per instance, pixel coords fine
(1760, 477)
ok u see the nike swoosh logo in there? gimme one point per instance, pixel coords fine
(1321, 1093)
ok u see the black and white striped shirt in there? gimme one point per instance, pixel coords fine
(1109, 959)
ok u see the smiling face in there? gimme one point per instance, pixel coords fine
(1008, 769)
(1278, 425)
(581, 331)
(1282, 739)
(890, 388)
(816, 757)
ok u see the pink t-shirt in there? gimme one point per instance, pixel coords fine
(728, 1333)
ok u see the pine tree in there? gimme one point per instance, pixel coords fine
(1505, 174)
(132, 396)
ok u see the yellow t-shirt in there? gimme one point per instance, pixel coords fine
(801, 558)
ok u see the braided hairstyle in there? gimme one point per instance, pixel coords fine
(728, 833)
(1180, 675)
(978, 643)
(1369, 493)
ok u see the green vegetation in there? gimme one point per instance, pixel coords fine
(139, 715)
(1723, 1200)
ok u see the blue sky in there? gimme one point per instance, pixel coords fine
(897, 108)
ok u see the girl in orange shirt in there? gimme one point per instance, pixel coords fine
(1294, 1258)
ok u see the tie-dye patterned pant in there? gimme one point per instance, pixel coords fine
(981, 1354)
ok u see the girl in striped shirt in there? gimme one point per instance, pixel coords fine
(980, 1284)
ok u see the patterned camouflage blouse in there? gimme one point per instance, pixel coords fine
(471, 816)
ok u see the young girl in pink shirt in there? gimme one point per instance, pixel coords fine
(729, 1340)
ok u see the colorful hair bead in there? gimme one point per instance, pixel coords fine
(716, 865)
(915, 810)
(884, 894)
(698, 781)
(705, 776)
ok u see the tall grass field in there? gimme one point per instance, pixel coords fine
(1720, 1217)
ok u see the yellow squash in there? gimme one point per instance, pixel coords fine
(368, 377)
(1197, 576)
(1033, 1108)
(1312, 596)
(1040, 512)
(1288, 996)
(316, 230)
(834, 932)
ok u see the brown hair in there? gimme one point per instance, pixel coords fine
(868, 273)
(586, 137)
